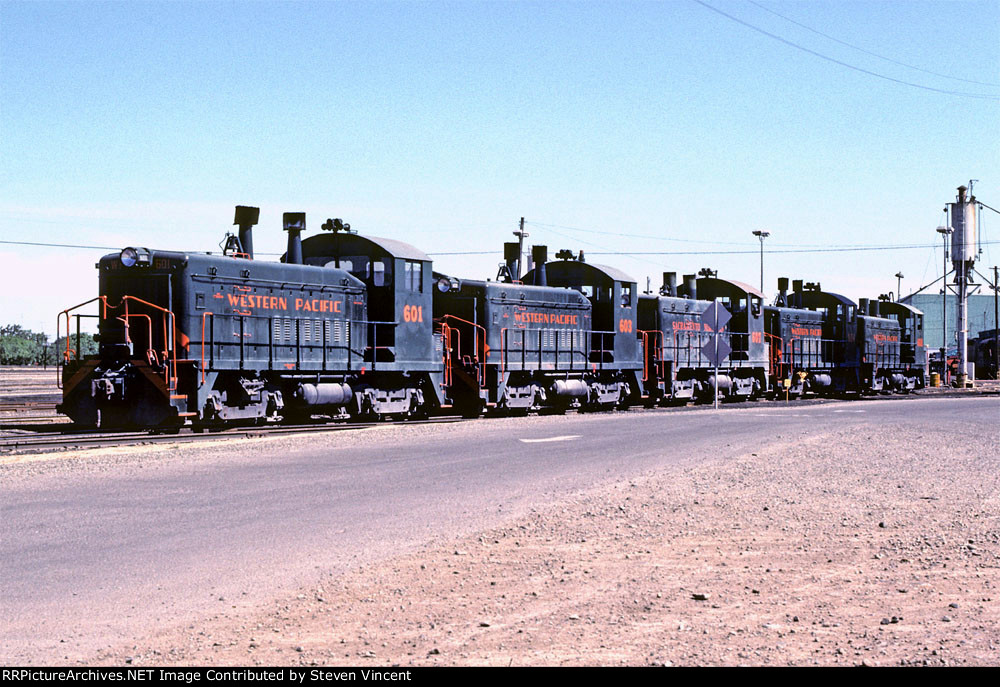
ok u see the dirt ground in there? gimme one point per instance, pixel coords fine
(849, 548)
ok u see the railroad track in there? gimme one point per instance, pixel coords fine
(25, 406)
(72, 440)
(49, 435)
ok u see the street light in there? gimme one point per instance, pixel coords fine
(944, 231)
(761, 235)
(899, 286)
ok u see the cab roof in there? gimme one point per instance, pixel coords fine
(328, 244)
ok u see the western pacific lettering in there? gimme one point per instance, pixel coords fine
(544, 318)
(245, 301)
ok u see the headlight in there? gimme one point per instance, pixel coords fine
(129, 257)
(446, 284)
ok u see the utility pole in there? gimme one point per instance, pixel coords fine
(996, 323)
(761, 235)
(520, 234)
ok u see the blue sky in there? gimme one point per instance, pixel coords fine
(441, 124)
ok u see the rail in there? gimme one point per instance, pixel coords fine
(690, 354)
(310, 338)
(71, 353)
(775, 351)
(169, 353)
(653, 353)
(445, 331)
(211, 349)
(811, 353)
(586, 347)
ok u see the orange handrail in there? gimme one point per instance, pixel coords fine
(657, 351)
(168, 349)
(446, 359)
(776, 344)
(125, 318)
(66, 312)
(481, 364)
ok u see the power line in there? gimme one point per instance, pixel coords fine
(668, 238)
(59, 245)
(850, 249)
(628, 235)
(983, 96)
(869, 52)
(828, 249)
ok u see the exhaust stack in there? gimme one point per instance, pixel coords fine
(691, 286)
(246, 217)
(540, 256)
(511, 256)
(294, 223)
(669, 287)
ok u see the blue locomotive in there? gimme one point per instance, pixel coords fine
(823, 343)
(341, 326)
(678, 367)
(563, 337)
(353, 326)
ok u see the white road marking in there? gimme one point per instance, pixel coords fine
(567, 437)
(848, 411)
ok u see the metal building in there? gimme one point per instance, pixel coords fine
(980, 316)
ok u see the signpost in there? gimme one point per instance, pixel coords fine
(715, 319)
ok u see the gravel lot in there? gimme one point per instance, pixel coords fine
(875, 546)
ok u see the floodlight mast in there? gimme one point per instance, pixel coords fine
(760, 234)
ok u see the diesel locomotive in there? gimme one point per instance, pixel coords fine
(353, 326)
(822, 342)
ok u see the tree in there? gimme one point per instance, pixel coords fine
(87, 347)
(20, 346)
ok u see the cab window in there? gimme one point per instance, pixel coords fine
(414, 279)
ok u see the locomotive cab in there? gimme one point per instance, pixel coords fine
(911, 331)
(893, 338)
(614, 301)
(397, 278)
(614, 358)
(746, 305)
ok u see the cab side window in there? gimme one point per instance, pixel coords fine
(380, 273)
(414, 278)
